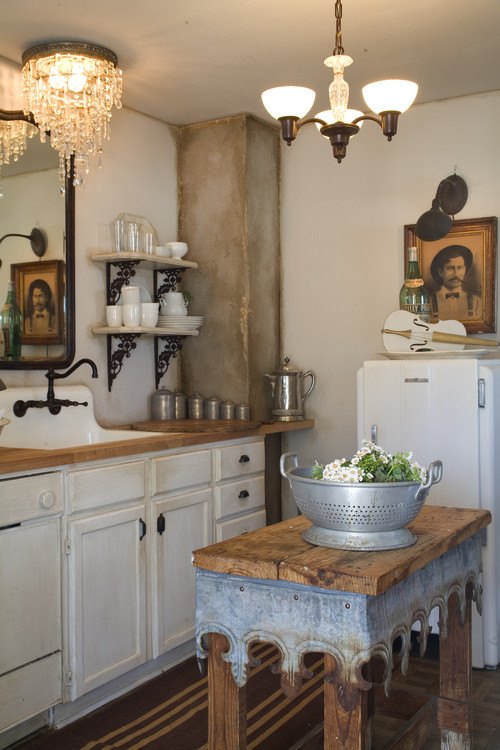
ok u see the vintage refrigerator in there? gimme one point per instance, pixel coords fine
(449, 409)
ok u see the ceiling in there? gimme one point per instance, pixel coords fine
(188, 61)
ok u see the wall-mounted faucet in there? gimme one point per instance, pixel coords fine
(52, 403)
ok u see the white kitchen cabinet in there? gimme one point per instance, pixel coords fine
(239, 492)
(106, 549)
(30, 596)
(181, 522)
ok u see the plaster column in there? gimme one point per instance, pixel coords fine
(229, 216)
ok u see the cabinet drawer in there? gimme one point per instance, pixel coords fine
(238, 497)
(106, 485)
(30, 690)
(30, 497)
(240, 459)
(242, 525)
(181, 470)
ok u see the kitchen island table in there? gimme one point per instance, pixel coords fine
(355, 607)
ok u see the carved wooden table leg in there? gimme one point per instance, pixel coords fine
(227, 722)
(347, 723)
(455, 680)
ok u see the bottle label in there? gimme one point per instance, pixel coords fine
(423, 310)
(413, 283)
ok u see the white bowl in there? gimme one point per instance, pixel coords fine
(177, 249)
(162, 250)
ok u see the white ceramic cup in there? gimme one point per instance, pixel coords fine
(131, 295)
(177, 249)
(149, 314)
(114, 316)
(131, 315)
(173, 304)
(162, 250)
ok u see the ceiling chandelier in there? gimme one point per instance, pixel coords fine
(70, 88)
(14, 136)
(388, 99)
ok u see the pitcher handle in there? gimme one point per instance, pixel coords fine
(283, 459)
(310, 374)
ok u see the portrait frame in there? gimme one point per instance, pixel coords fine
(51, 273)
(480, 237)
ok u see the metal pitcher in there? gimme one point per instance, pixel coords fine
(288, 398)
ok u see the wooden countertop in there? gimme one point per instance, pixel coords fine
(278, 552)
(14, 460)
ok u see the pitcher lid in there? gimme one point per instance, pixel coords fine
(286, 368)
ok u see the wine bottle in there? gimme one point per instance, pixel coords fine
(11, 322)
(414, 295)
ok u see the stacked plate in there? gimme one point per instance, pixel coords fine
(180, 322)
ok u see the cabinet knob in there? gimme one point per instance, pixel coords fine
(243, 494)
(244, 459)
(47, 499)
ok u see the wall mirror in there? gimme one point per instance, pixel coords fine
(31, 199)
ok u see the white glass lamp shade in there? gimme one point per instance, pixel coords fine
(288, 101)
(327, 116)
(392, 95)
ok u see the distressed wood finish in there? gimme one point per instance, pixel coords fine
(279, 553)
(230, 735)
(252, 588)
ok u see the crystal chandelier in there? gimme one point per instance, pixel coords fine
(388, 99)
(14, 136)
(70, 88)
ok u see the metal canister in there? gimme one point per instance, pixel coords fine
(227, 410)
(242, 411)
(162, 404)
(196, 406)
(212, 407)
(180, 405)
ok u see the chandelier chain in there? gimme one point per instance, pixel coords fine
(339, 50)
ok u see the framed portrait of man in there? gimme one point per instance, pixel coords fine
(459, 271)
(40, 293)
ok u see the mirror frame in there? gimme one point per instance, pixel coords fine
(43, 363)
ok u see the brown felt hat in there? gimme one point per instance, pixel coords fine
(444, 255)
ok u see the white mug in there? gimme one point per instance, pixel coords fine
(114, 316)
(131, 315)
(131, 295)
(149, 314)
(173, 303)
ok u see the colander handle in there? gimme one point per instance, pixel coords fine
(283, 459)
(434, 475)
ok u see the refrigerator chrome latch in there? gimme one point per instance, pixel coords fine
(373, 434)
(481, 393)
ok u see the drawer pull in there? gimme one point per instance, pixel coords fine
(243, 494)
(244, 459)
(142, 532)
(47, 500)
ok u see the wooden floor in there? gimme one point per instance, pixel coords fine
(423, 675)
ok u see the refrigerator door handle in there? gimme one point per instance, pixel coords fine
(481, 393)
(373, 434)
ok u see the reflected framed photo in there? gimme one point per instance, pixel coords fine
(40, 294)
(459, 271)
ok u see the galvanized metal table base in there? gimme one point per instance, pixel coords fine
(350, 628)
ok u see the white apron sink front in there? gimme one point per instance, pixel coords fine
(73, 426)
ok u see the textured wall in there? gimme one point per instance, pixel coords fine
(229, 215)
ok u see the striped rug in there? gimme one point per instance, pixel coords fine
(170, 713)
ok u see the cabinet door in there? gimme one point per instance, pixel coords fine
(107, 596)
(185, 524)
(30, 593)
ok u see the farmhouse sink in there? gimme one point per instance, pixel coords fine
(73, 426)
